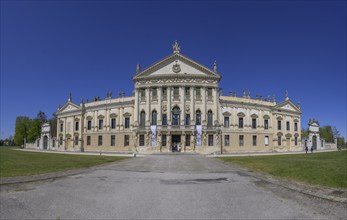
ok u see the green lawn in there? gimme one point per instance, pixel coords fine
(325, 169)
(23, 163)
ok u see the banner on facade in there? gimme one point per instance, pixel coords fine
(198, 135)
(153, 135)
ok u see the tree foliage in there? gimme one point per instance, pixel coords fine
(34, 130)
(21, 130)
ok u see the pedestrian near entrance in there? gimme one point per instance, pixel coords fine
(311, 149)
(306, 148)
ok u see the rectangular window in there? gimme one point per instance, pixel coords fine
(113, 123)
(126, 140)
(142, 93)
(210, 140)
(187, 91)
(99, 140)
(279, 125)
(154, 92)
(187, 121)
(240, 122)
(288, 126)
(187, 139)
(296, 141)
(295, 126)
(77, 125)
(266, 124)
(254, 140)
(198, 91)
(209, 92)
(226, 140)
(142, 140)
(113, 140)
(254, 123)
(89, 125)
(88, 140)
(61, 127)
(176, 91)
(163, 140)
(266, 140)
(164, 119)
(164, 90)
(127, 122)
(101, 124)
(279, 140)
(76, 141)
(241, 141)
(226, 122)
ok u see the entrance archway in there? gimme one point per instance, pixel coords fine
(175, 141)
(314, 142)
(45, 142)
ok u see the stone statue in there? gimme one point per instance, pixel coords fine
(244, 93)
(138, 68)
(298, 105)
(164, 108)
(176, 47)
(268, 98)
(110, 94)
(235, 93)
(70, 97)
(107, 94)
(215, 66)
(187, 108)
(286, 93)
(249, 94)
(274, 98)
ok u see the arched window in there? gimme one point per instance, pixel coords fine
(209, 119)
(142, 119)
(176, 116)
(198, 117)
(154, 117)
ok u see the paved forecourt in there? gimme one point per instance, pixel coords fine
(160, 187)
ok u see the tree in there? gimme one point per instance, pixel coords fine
(34, 130)
(326, 132)
(304, 133)
(53, 124)
(21, 130)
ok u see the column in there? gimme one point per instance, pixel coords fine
(182, 99)
(216, 105)
(159, 117)
(204, 111)
(148, 106)
(121, 118)
(107, 121)
(192, 105)
(136, 107)
(169, 97)
(118, 120)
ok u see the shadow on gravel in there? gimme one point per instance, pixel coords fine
(193, 181)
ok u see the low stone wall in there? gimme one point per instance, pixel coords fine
(330, 145)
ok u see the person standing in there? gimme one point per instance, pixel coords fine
(306, 148)
(311, 149)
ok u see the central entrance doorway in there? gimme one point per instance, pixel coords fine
(176, 143)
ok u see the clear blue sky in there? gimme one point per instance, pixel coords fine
(49, 48)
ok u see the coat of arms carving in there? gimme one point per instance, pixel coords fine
(176, 68)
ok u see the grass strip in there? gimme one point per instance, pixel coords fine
(23, 163)
(324, 169)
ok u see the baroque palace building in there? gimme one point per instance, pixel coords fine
(178, 100)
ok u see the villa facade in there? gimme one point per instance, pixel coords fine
(177, 101)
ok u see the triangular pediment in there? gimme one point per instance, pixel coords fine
(69, 106)
(176, 65)
(288, 106)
